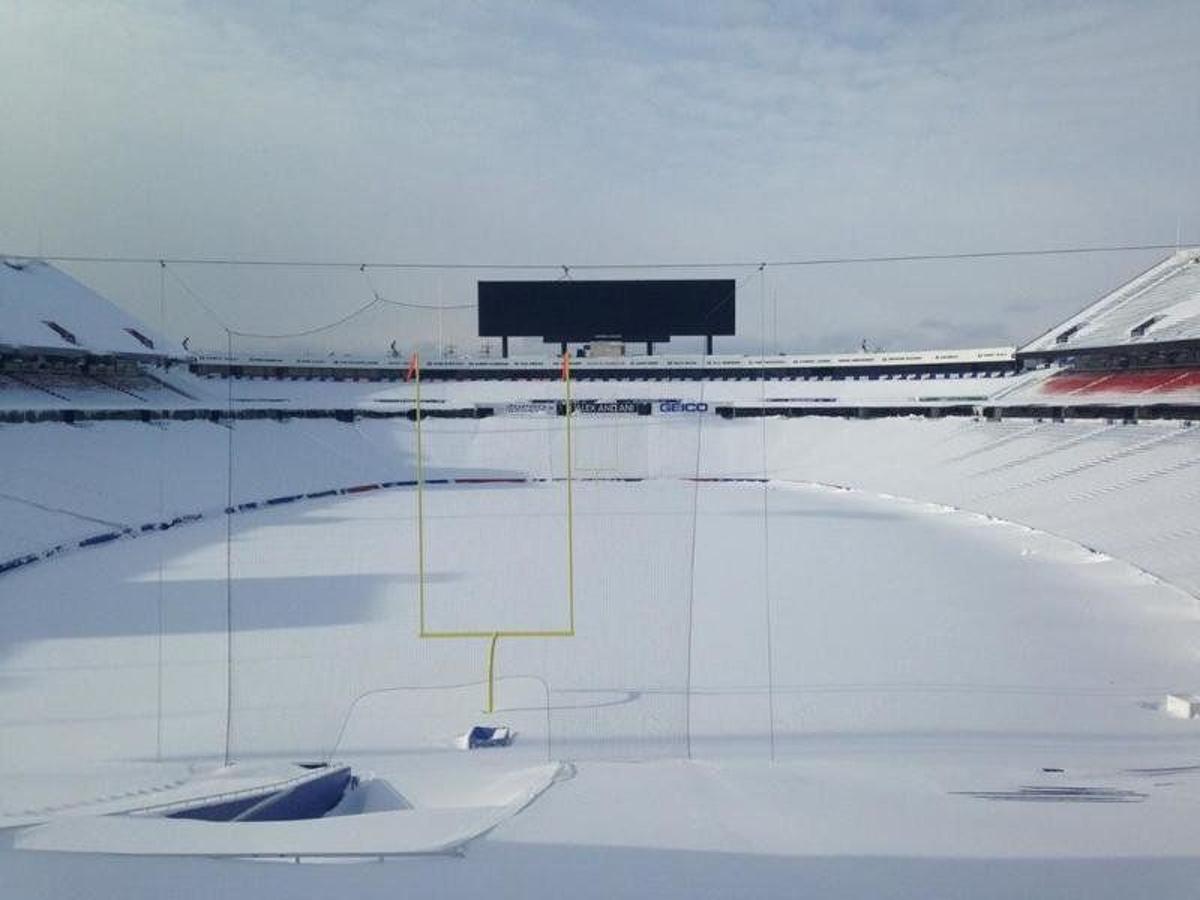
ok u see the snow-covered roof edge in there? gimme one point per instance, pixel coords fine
(1094, 313)
(43, 309)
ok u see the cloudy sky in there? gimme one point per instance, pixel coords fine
(604, 132)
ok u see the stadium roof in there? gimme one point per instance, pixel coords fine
(44, 310)
(1160, 306)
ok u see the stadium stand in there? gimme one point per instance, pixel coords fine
(87, 383)
(1127, 388)
(989, 361)
(1152, 314)
(64, 347)
(70, 477)
(1127, 490)
(42, 309)
(1148, 381)
(1135, 351)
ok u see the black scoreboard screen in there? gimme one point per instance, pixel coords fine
(575, 311)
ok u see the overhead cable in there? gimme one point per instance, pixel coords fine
(597, 266)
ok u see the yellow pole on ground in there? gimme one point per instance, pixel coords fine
(491, 673)
(570, 503)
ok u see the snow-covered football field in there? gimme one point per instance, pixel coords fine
(771, 689)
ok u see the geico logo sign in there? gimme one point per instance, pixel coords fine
(675, 406)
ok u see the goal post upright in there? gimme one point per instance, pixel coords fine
(493, 635)
(570, 500)
(415, 371)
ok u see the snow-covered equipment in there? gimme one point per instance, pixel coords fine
(488, 736)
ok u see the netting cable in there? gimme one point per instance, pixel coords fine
(406, 304)
(766, 527)
(691, 603)
(307, 332)
(378, 298)
(229, 564)
(759, 270)
(162, 474)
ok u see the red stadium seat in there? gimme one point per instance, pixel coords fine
(1146, 381)
(1129, 382)
(1070, 382)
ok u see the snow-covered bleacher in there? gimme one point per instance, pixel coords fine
(1127, 490)
(44, 309)
(932, 387)
(1130, 491)
(64, 347)
(1137, 346)
(62, 483)
(28, 385)
(1124, 387)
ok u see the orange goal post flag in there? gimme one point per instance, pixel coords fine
(414, 368)
(566, 366)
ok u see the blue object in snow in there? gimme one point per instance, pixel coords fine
(489, 736)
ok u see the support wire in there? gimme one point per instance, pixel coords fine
(229, 561)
